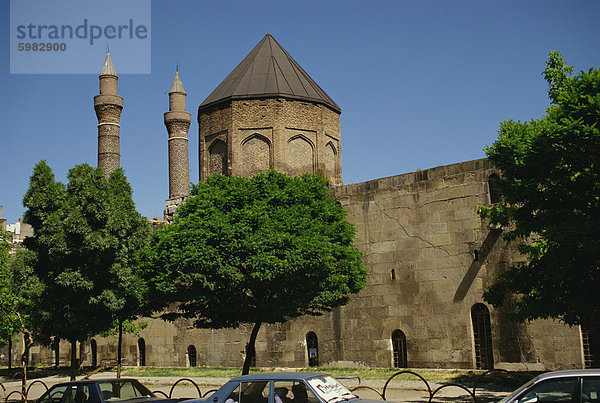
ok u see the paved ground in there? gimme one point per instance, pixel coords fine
(399, 391)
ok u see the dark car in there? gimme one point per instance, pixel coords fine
(282, 387)
(99, 391)
(576, 386)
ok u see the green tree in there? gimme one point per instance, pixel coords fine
(19, 291)
(86, 235)
(7, 327)
(550, 205)
(259, 250)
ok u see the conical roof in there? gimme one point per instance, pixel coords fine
(108, 69)
(177, 85)
(269, 71)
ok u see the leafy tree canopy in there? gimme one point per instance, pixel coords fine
(550, 204)
(19, 292)
(254, 250)
(20, 289)
(85, 238)
(7, 298)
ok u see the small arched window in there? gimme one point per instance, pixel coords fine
(399, 349)
(493, 182)
(312, 345)
(191, 352)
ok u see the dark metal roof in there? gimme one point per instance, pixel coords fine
(269, 71)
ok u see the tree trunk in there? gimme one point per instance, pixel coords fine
(10, 353)
(27, 343)
(250, 348)
(74, 365)
(119, 344)
(56, 343)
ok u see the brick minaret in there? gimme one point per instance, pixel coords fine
(177, 121)
(108, 106)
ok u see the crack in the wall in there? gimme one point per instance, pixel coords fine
(449, 199)
(430, 244)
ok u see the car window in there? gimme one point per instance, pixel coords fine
(590, 389)
(122, 390)
(234, 396)
(254, 392)
(292, 392)
(551, 390)
(54, 395)
(78, 394)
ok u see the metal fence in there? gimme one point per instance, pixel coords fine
(469, 393)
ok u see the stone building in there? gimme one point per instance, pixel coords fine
(429, 255)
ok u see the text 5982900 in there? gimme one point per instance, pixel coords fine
(42, 47)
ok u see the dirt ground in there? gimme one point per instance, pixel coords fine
(399, 391)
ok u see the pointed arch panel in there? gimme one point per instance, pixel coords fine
(217, 158)
(256, 154)
(300, 155)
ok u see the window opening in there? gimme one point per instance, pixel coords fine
(482, 334)
(94, 350)
(399, 349)
(191, 351)
(493, 188)
(588, 358)
(312, 344)
(141, 352)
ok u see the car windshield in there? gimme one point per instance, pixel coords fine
(516, 392)
(122, 390)
(329, 389)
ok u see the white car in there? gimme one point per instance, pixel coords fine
(576, 386)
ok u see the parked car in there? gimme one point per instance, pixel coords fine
(282, 387)
(100, 391)
(577, 386)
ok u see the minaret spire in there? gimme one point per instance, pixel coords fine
(177, 121)
(108, 106)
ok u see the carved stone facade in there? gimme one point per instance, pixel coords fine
(243, 137)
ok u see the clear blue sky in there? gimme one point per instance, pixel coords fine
(420, 83)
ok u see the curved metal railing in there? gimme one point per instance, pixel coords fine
(185, 380)
(432, 393)
(405, 372)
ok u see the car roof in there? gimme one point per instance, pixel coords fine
(570, 372)
(267, 376)
(87, 381)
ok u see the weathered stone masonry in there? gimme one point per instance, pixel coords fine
(423, 226)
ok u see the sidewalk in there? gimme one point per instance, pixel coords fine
(399, 391)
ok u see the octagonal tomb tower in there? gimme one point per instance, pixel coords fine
(269, 114)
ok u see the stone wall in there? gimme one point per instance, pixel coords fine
(430, 257)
